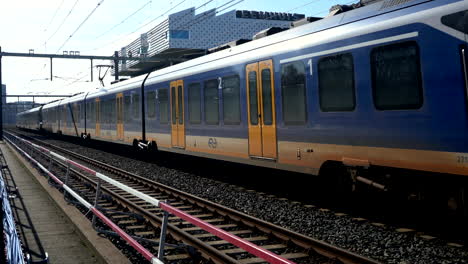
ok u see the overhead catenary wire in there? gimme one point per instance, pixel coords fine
(207, 14)
(236, 3)
(204, 17)
(84, 21)
(163, 14)
(159, 16)
(63, 21)
(125, 19)
(55, 14)
(303, 5)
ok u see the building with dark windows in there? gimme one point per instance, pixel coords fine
(10, 110)
(188, 35)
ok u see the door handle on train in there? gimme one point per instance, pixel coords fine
(465, 69)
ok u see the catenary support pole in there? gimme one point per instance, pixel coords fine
(116, 65)
(51, 75)
(91, 70)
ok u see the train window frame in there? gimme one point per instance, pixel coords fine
(151, 104)
(92, 118)
(237, 119)
(419, 81)
(136, 105)
(322, 86)
(192, 106)
(283, 104)
(206, 101)
(113, 110)
(127, 108)
(166, 119)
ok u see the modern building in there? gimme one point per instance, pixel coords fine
(188, 35)
(10, 110)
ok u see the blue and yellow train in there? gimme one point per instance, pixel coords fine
(383, 85)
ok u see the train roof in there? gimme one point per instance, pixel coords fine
(214, 60)
(32, 110)
(267, 46)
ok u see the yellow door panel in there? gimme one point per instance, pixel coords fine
(268, 109)
(181, 111)
(261, 110)
(177, 114)
(174, 114)
(253, 111)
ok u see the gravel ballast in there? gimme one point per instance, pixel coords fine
(381, 243)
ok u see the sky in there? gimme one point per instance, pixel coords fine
(95, 27)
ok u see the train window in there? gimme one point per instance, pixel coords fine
(76, 116)
(211, 102)
(105, 112)
(81, 111)
(231, 100)
(88, 111)
(127, 108)
(163, 98)
(112, 111)
(293, 93)
(136, 105)
(173, 106)
(180, 104)
(336, 94)
(253, 98)
(396, 76)
(151, 104)
(92, 112)
(266, 97)
(194, 101)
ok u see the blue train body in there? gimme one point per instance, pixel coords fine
(238, 104)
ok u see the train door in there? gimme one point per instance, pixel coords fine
(119, 108)
(261, 110)
(177, 114)
(98, 117)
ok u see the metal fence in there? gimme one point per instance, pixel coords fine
(13, 249)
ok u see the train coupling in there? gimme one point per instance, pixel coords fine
(143, 145)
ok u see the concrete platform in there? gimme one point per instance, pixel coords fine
(50, 224)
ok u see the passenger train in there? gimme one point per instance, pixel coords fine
(380, 86)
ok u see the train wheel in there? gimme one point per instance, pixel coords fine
(135, 145)
(152, 147)
(457, 208)
(458, 202)
(336, 182)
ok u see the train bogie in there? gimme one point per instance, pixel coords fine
(379, 86)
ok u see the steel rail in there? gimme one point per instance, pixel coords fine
(281, 233)
(138, 247)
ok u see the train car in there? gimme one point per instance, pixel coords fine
(381, 86)
(51, 117)
(30, 119)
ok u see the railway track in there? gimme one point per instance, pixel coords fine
(143, 220)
